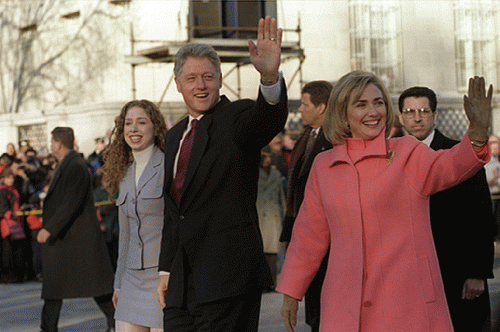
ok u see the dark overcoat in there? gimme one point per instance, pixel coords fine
(214, 236)
(463, 228)
(75, 258)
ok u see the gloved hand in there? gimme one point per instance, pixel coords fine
(477, 105)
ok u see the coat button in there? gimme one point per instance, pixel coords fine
(367, 304)
(181, 217)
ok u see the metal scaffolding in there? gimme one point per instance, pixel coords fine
(230, 50)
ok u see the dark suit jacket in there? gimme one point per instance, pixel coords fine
(75, 258)
(463, 227)
(214, 237)
(297, 179)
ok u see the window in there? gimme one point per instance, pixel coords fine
(475, 41)
(224, 18)
(36, 134)
(375, 35)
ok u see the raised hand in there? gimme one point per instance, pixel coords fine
(266, 55)
(477, 105)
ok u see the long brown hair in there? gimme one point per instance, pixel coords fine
(118, 155)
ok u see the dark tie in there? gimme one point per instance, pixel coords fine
(309, 145)
(182, 164)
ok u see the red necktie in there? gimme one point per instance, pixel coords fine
(182, 164)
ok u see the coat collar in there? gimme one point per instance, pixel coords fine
(376, 148)
(60, 168)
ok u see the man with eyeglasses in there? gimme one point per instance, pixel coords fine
(463, 235)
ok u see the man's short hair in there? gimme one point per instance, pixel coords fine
(196, 50)
(319, 91)
(418, 92)
(65, 136)
(30, 150)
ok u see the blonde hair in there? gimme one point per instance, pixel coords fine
(335, 125)
(118, 155)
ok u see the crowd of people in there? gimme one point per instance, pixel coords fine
(363, 212)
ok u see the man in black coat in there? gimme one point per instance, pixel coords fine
(463, 235)
(312, 141)
(75, 258)
(212, 265)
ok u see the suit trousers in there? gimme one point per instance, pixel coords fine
(52, 309)
(238, 313)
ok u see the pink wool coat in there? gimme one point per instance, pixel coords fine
(383, 273)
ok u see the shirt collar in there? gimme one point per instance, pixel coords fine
(428, 140)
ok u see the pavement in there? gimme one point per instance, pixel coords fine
(20, 308)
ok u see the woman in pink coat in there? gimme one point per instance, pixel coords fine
(368, 200)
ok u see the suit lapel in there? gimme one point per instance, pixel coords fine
(171, 148)
(320, 145)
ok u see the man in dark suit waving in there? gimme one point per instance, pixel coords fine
(212, 265)
(312, 141)
(463, 236)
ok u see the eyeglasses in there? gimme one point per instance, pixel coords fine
(410, 112)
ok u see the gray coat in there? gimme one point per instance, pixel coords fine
(271, 204)
(140, 217)
(75, 259)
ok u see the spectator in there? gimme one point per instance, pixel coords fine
(34, 222)
(31, 158)
(22, 182)
(271, 209)
(24, 145)
(13, 236)
(288, 142)
(5, 161)
(11, 150)
(277, 156)
(107, 215)
(95, 158)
